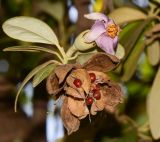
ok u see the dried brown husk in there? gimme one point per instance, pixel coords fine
(52, 84)
(98, 105)
(74, 93)
(101, 62)
(101, 77)
(81, 74)
(78, 108)
(70, 122)
(74, 107)
(56, 81)
(62, 71)
(113, 96)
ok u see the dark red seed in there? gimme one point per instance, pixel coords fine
(89, 100)
(92, 77)
(97, 94)
(97, 87)
(77, 83)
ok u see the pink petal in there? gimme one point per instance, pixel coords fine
(106, 44)
(96, 16)
(115, 42)
(97, 29)
(110, 22)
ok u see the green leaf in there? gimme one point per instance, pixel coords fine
(29, 29)
(28, 48)
(153, 52)
(126, 14)
(42, 74)
(32, 49)
(128, 28)
(28, 77)
(131, 63)
(153, 106)
(56, 9)
(145, 70)
(127, 39)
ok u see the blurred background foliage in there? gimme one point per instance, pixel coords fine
(136, 120)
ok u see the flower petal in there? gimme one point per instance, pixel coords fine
(110, 21)
(105, 43)
(97, 29)
(115, 42)
(96, 16)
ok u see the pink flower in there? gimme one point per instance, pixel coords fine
(104, 32)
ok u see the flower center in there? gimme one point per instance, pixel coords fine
(112, 30)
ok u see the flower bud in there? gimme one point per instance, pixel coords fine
(80, 43)
(120, 52)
